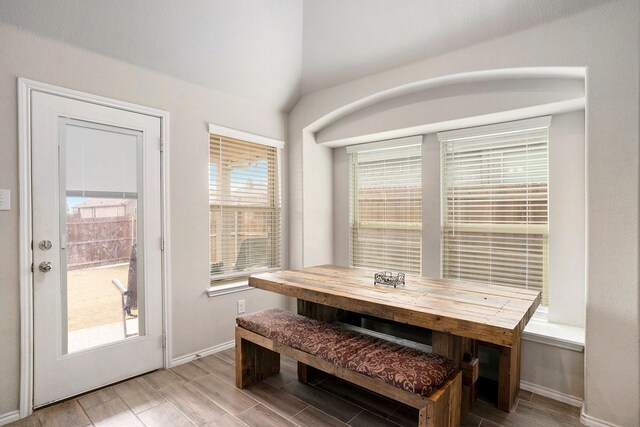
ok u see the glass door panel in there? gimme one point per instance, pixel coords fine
(102, 283)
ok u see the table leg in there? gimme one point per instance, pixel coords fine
(454, 347)
(509, 376)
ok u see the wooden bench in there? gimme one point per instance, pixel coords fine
(427, 382)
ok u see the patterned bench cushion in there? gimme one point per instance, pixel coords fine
(404, 367)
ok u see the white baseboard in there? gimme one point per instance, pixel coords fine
(198, 354)
(590, 421)
(551, 394)
(9, 417)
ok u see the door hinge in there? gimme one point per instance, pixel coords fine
(164, 340)
(161, 144)
(162, 244)
(32, 267)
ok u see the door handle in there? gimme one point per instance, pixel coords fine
(45, 266)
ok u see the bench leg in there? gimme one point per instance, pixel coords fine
(253, 362)
(446, 409)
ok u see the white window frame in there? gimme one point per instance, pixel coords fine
(237, 282)
(545, 326)
(488, 130)
(380, 145)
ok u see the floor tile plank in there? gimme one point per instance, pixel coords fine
(261, 416)
(161, 378)
(164, 415)
(113, 413)
(226, 420)
(189, 371)
(370, 401)
(288, 373)
(472, 420)
(545, 402)
(228, 355)
(191, 402)
(281, 379)
(487, 423)
(320, 399)
(97, 397)
(489, 412)
(218, 367)
(30, 421)
(312, 417)
(368, 419)
(275, 399)
(524, 395)
(222, 394)
(138, 395)
(65, 414)
(547, 416)
(405, 416)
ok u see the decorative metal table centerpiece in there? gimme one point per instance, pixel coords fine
(386, 278)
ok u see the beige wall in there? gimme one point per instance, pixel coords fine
(199, 322)
(556, 369)
(604, 40)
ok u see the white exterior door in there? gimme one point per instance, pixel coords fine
(97, 273)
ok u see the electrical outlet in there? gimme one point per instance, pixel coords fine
(241, 306)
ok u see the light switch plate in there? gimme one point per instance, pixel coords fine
(5, 200)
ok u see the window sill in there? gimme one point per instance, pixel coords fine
(540, 330)
(229, 288)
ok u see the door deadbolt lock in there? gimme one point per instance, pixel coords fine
(45, 245)
(45, 266)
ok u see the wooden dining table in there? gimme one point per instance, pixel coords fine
(459, 314)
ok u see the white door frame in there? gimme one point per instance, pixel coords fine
(25, 87)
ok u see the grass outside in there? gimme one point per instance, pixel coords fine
(92, 299)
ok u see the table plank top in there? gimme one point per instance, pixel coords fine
(489, 313)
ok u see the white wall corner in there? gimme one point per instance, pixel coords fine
(590, 421)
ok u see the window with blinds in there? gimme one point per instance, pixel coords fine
(386, 206)
(244, 206)
(495, 189)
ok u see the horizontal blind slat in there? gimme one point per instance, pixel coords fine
(245, 206)
(386, 208)
(495, 187)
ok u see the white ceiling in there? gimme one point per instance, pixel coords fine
(347, 39)
(257, 49)
(247, 48)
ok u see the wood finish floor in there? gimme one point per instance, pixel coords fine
(203, 393)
